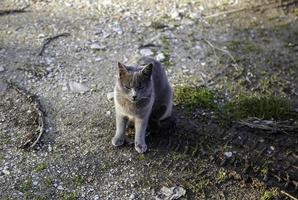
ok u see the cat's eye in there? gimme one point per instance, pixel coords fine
(126, 87)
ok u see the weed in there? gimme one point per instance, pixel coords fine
(269, 194)
(222, 175)
(26, 185)
(41, 167)
(70, 196)
(48, 181)
(79, 180)
(199, 186)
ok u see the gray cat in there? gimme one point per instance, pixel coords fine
(141, 93)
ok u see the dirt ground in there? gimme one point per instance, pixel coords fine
(228, 46)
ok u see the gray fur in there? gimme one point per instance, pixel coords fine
(142, 93)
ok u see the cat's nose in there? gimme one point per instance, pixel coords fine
(134, 97)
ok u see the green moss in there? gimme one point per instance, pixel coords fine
(41, 167)
(269, 194)
(194, 97)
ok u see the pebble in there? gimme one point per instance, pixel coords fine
(77, 87)
(60, 187)
(96, 46)
(160, 57)
(228, 154)
(2, 69)
(132, 196)
(110, 96)
(96, 197)
(6, 172)
(146, 52)
(108, 113)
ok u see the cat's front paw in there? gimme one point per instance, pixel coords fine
(118, 141)
(141, 148)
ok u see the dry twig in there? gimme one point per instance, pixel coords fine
(50, 39)
(32, 138)
(288, 195)
(12, 11)
(274, 126)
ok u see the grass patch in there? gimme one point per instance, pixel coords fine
(41, 167)
(194, 97)
(262, 106)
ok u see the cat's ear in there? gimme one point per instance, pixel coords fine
(147, 70)
(122, 70)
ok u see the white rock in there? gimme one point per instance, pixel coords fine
(60, 187)
(108, 113)
(98, 59)
(132, 196)
(228, 154)
(77, 87)
(2, 69)
(96, 197)
(160, 57)
(6, 172)
(110, 96)
(96, 46)
(146, 52)
(35, 183)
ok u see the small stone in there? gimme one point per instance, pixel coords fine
(96, 46)
(110, 96)
(77, 87)
(96, 197)
(146, 52)
(228, 154)
(2, 69)
(108, 113)
(98, 59)
(160, 57)
(35, 183)
(60, 187)
(6, 172)
(132, 196)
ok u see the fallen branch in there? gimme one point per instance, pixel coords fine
(12, 11)
(274, 126)
(32, 138)
(225, 13)
(288, 195)
(50, 39)
(224, 51)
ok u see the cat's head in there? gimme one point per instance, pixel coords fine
(135, 83)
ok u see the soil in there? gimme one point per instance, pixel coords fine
(229, 47)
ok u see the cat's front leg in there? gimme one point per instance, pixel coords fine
(140, 126)
(119, 137)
